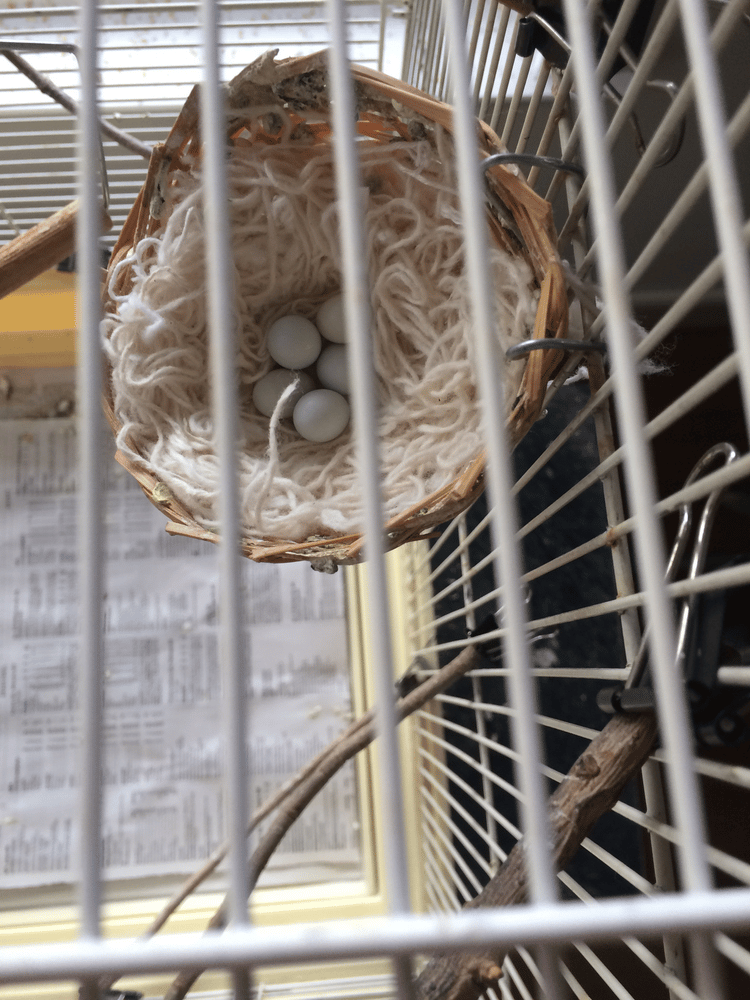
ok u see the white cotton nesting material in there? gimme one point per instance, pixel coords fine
(287, 260)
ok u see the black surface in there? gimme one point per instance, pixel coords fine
(588, 643)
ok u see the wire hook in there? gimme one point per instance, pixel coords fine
(524, 347)
(533, 160)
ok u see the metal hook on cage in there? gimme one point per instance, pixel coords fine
(524, 347)
(635, 695)
(15, 46)
(502, 159)
(532, 160)
(678, 135)
(669, 87)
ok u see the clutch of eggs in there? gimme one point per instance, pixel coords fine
(294, 342)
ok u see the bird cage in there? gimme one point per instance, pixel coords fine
(552, 800)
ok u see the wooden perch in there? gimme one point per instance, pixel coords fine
(292, 799)
(591, 788)
(41, 248)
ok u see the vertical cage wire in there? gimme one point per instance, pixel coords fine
(223, 352)
(360, 365)
(724, 188)
(89, 511)
(498, 474)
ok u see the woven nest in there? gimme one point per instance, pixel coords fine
(300, 500)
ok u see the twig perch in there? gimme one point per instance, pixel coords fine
(359, 735)
(41, 247)
(48, 88)
(591, 787)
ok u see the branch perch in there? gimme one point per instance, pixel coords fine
(358, 736)
(41, 247)
(591, 787)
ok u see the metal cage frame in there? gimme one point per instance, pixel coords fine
(438, 49)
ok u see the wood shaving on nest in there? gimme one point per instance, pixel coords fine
(284, 235)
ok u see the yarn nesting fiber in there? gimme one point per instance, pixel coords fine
(285, 246)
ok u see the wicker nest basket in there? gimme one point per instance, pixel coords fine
(273, 103)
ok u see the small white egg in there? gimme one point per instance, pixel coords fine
(332, 369)
(330, 320)
(293, 342)
(268, 390)
(321, 415)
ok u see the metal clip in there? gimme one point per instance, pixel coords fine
(699, 632)
(720, 711)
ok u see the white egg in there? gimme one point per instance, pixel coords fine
(321, 415)
(332, 369)
(293, 342)
(268, 390)
(330, 320)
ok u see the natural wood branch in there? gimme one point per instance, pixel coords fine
(48, 88)
(591, 788)
(359, 735)
(41, 247)
(269, 806)
(212, 863)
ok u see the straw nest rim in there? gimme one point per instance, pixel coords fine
(520, 221)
